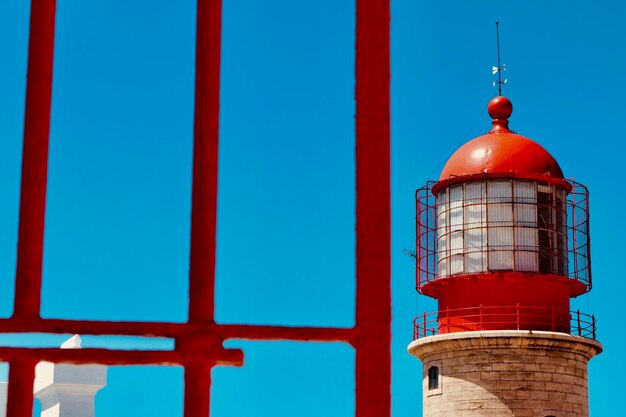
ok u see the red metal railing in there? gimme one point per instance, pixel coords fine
(566, 251)
(504, 318)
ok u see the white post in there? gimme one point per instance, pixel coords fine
(68, 390)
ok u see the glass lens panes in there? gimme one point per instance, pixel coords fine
(525, 216)
(456, 252)
(475, 233)
(456, 207)
(442, 227)
(499, 191)
(502, 225)
(500, 213)
(526, 259)
(500, 248)
(456, 229)
(525, 192)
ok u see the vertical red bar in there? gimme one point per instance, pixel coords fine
(197, 389)
(574, 233)
(204, 192)
(35, 159)
(587, 232)
(21, 378)
(373, 266)
(204, 196)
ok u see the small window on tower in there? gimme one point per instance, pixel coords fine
(433, 377)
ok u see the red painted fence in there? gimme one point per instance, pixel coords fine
(199, 342)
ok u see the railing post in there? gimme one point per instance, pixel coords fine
(414, 328)
(517, 318)
(480, 312)
(447, 319)
(578, 320)
(424, 330)
(593, 326)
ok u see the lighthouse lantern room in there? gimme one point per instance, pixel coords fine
(503, 244)
(502, 237)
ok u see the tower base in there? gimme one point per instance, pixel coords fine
(505, 373)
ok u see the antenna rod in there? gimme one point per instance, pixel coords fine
(499, 66)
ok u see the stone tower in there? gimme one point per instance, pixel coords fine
(503, 244)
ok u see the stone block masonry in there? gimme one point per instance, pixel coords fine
(506, 373)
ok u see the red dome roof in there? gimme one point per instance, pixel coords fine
(501, 151)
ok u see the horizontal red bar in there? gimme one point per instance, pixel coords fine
(310, 334)
(174, 330)
(218, 356)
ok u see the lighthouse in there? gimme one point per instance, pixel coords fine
(503, 245)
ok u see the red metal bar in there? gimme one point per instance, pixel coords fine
(35, 159)
(574, 232)
(373, 214)
(197, 389)
(418, 244)
(20, 395)
(432, 211)
(588, 233)
(219, 355)
(204, 198)
(87, 327)
(174, 330)
(514, 227)
(314, 334)
(593, 326)
(204, 190)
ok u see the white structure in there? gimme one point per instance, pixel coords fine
(64, 390)
(3, 398)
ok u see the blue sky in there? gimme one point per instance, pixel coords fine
(117, 222)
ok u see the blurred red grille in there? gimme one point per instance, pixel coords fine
(199, 342)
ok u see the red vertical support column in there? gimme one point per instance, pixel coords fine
(373, 263)
(204, 191)
(204, 197)
(35, 160)
(21, 379)
(197, 389)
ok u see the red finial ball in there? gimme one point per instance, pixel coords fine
(500, 108)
